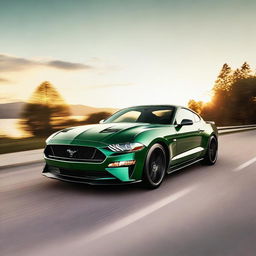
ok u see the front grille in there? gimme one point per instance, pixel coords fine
(74, 153)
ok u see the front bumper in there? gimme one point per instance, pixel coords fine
(102, 174)
(85, 180)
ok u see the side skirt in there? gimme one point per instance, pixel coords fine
(181, 166)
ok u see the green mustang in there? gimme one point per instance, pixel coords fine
(141, 143)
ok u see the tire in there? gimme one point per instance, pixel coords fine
(211, 155)
(154, 167)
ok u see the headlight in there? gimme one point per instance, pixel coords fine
(126, 147)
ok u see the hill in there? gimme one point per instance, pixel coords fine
(14, 109)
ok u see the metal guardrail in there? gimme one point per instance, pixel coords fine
(234, 127)
(229, 129)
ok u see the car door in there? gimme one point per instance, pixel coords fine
(188, 137)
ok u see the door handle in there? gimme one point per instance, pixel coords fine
(200, 130)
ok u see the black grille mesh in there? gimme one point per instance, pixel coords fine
(74, 153)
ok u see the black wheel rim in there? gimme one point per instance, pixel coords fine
(213, 150)
(156, 166)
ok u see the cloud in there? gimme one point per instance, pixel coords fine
(9, 63)
(67, 65)
(4, 80)
(12, 63)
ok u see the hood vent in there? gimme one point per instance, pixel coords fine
(110, 130)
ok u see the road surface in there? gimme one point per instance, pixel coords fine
(198, 211)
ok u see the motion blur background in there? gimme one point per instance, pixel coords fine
(66, 63)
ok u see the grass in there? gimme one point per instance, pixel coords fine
(9, 145)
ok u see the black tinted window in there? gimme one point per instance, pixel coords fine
(144, 114)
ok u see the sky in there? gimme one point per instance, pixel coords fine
(122, 53)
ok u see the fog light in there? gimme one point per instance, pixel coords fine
(122, 163)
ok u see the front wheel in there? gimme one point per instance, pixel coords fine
(155, 166)
(210, 157)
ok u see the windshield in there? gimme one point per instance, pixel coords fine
(143, 114)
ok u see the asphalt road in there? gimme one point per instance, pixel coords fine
(198, 211)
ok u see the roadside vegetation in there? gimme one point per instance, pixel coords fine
(233, 98)
(45, 113)
(9, 145)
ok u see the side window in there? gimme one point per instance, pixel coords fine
(196, 118)
(184, 114)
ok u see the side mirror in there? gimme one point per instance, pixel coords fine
(101, 121)
(186, 122)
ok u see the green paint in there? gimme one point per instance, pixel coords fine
(180, 141)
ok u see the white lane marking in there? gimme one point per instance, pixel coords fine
(244, 165)
(69, 246)
(119, 224)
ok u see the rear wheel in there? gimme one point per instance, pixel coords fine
(212, 151)
(155, 166)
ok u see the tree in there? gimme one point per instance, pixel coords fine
(224, 78)
(246, 70)
(44, 111)
(237, 75)
(243, 101)
(196, 106)
(242, 73)
(221, 90)
(234, 97)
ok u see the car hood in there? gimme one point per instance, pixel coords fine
(108, 133)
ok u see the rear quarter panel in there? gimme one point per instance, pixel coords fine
(209, 130)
